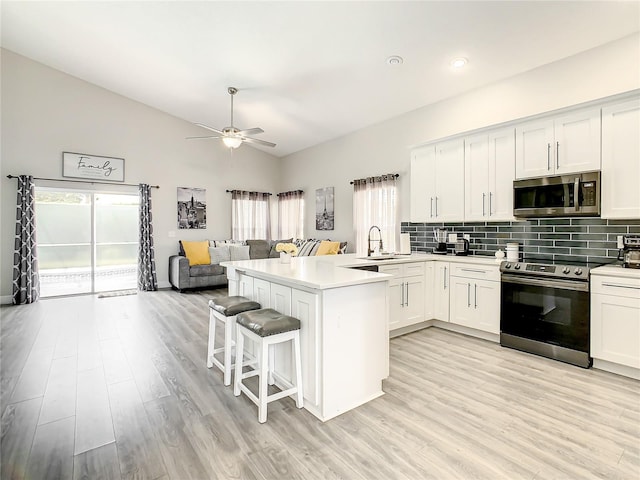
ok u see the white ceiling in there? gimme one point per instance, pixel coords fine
(306, 72)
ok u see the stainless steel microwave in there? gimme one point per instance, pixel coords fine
(569, 195)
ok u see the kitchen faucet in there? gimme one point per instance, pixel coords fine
(369, 250)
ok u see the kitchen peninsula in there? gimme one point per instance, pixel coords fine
(344, 333)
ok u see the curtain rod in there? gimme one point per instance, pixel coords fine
(85, 181)
(244, 191)
(395, 175)
(292, 191)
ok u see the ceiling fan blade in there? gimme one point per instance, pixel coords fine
(258, 142)
(210, 128)
(209, 136)
(251, 131)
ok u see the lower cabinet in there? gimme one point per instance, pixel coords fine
(475, 304)
(406, 293)
(615, 320)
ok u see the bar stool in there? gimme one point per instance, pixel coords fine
(267, 327)
(225, 309)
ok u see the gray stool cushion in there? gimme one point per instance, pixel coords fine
(266, 321)
(229, 306)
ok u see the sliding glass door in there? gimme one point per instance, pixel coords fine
(87, 241)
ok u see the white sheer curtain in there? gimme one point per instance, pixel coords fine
(250, 215)
(375, 203)
(291, 214)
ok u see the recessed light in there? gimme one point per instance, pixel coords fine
(459, 62)
(395, 60)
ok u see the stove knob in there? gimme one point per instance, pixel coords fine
(566, 270)
(508, 265)
(517, 267)
(578, 271)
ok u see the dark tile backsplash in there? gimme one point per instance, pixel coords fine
(562, 239)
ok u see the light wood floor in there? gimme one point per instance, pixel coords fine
(118, 388)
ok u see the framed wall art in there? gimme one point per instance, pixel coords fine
(192, 208)
(324, 209)
(92, 167)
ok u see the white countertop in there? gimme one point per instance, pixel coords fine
(333, 271)
(616, 271)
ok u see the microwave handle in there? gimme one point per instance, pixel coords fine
(576, 193)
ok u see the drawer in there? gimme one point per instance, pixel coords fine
(413, 269)
(481, 272)
(396, 270)
(616, 286)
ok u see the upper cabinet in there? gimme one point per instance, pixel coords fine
(564, 144)
(437, 182)
(621, 160)
(489, 160)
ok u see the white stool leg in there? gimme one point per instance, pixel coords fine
(272, 362)
(212, 338)
(228, 342)
(298, 366)
(263, 378)
(239, 356)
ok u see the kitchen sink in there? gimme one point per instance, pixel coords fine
(380, 259)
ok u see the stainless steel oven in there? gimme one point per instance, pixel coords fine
(545, 310)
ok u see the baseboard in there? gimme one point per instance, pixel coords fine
(616, 368)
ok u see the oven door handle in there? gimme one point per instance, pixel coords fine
(562, 284)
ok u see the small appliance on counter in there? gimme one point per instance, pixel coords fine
(440, 236)
(462, 246)
(630, 254)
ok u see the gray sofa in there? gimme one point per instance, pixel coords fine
(184, 277)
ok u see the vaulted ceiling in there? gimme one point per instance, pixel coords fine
(306, 72)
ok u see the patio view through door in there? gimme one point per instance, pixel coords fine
(87, 242)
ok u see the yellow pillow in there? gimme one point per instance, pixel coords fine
(328, 248)
(197, 252)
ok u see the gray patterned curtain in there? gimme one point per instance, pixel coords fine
(147, 280)
(26, 282)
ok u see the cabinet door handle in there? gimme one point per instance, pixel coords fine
(557, 154)
(490, 195)
(436, 207)
(444, 278)
(475, 295)
(483, 195)
(402, 294)
(472, 270)
(468, 294)
(431, 213)
(548, 156)
(406, 285)
(619, 285)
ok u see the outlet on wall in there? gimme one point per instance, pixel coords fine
(466, 236)
(453, 238)
(172, 233)
(620, 242)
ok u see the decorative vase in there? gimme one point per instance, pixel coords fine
(285, 257)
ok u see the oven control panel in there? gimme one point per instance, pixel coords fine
(540, 269)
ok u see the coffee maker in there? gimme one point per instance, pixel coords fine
(630, 253)
(440, 236)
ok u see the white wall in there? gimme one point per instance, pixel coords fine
(384, 148)
(46, 112)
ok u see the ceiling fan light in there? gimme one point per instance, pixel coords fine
(232, 142)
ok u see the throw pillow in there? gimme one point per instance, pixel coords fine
(197, 252)
(239, 252)
(273, 243)
(258, 248)
(308, 248)
(219, 254)
(343, 247)
(328, 248)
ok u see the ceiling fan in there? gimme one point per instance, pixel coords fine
(231, 136)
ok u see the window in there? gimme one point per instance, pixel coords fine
(375, 203)
(291, 214)
(250, 215)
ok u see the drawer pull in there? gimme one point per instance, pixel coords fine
(617, 285)
(472, 270)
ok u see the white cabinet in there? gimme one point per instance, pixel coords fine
(262, 292)
(615, 320)
(489, 170)
(406, 293)
(621, 160)
(244, 285)
(429, 290)
(563, 144)
(437, 182)
(441, 291)
(305, 307)
(475, 297)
